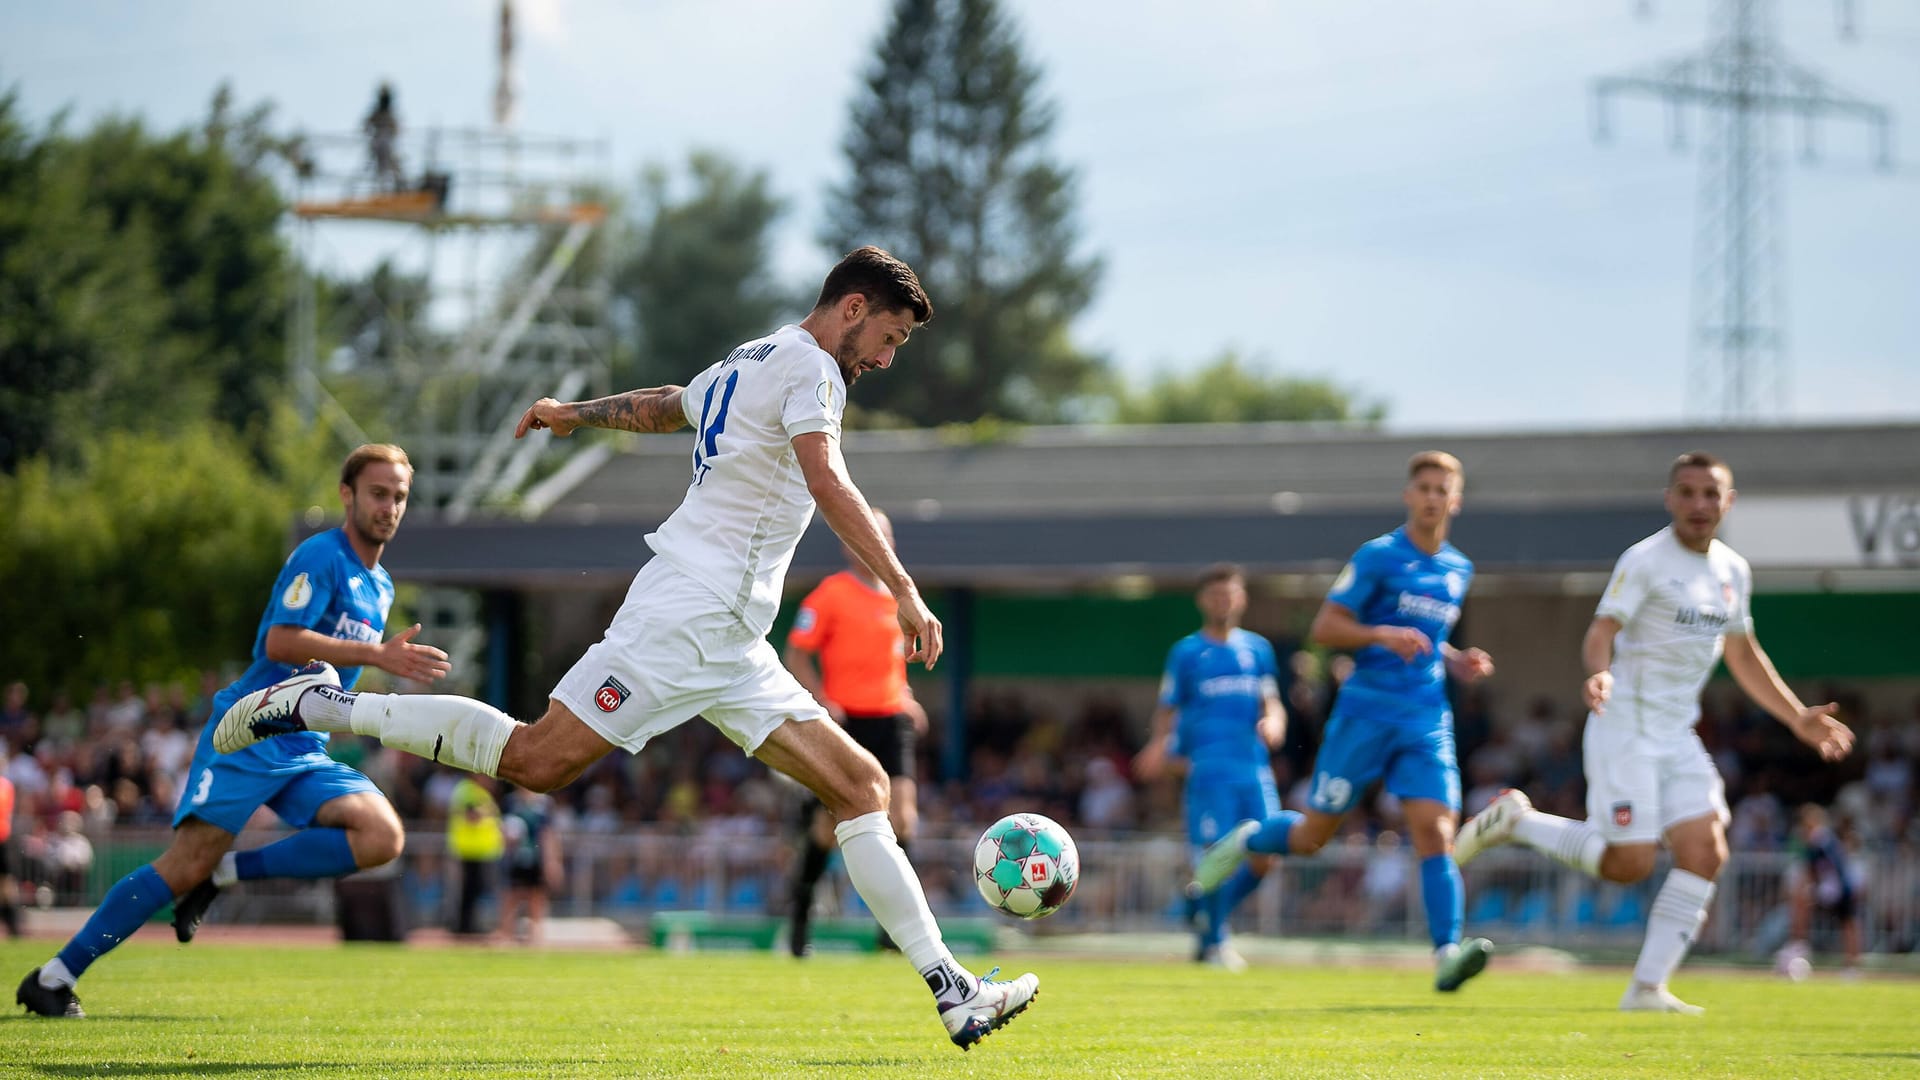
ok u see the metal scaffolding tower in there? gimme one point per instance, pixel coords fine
(1742, 80)
(438, 301)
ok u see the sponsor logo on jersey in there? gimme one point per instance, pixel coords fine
(348, 628)
(1415, 606)
(825, 394)
(1703, 618)
(1345, 580)
(805, 621)
(611, 695)
(1230, 685)
(299, 593)
(1623, 814)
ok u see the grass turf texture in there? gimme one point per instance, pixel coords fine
(217, 1010)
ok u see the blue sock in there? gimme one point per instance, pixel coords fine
(1213, 919)
(1222, 902)
(1236, 889)
(127, 906)
(1271, 837)
(309, 853)
(1441, 889)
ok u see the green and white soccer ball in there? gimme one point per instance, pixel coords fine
(1026, 865)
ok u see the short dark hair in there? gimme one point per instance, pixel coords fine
(366, 455)
(885, 281)
(1697, 459)
(1221, 571)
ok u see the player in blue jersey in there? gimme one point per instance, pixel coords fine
(1220, 711)
(329, 605)
(1394, 606)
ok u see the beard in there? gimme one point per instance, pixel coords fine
(848, 354)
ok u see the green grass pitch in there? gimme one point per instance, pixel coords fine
(229, 1010)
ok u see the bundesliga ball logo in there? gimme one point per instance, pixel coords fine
(1026, 865)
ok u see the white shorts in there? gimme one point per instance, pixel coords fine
(675, 651)
(1641, 785)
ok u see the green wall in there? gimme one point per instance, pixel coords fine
(1840, 635)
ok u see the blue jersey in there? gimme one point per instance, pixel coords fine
(1219, 690)
(1390, 582)
(324, 587)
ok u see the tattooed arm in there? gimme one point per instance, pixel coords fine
(656, 409)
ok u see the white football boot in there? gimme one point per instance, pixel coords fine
(1492, 826)
(272, 711)
(990, 1007)
(1656, 999)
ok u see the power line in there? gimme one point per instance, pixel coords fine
(1741, 81)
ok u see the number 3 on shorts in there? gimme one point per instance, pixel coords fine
(204, 788)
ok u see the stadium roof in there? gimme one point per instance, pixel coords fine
(1047, 505)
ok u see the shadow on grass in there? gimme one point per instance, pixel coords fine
(1393, 1010)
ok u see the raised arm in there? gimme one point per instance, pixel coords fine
(655, 409)
(848, 515)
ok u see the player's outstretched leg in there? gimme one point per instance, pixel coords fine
(971, 1008)
(134, 899)
(1492, 826)
(459, 732)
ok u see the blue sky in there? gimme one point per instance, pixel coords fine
(1406, 198)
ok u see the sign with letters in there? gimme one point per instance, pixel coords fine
(1827, 532)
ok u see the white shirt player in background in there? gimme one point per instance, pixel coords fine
(691, 638)
(1675, 601)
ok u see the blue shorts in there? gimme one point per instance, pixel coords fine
(225, 789)
(1410, 745)
(1216, 804)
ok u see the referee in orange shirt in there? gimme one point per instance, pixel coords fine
(846, 648)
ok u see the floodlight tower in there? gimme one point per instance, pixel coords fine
(1742, 80)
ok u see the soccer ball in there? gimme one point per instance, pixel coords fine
(1026, 865)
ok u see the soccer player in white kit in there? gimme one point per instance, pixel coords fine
(691, 637)
(1675, 601)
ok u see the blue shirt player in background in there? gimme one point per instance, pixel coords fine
(329, 605)
(1220, 711)
(1394, 606)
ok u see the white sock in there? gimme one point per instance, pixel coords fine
(227, 872)
(327, 708)
(1575, 843)
(466, 734)
(54, 975)
(1678, 912)
(885, 880)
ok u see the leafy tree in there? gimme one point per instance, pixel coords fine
(947, 169)
(142, 279)
(697, 280)
(146, 558)
(1232, 390)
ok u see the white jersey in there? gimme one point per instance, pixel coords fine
(1674, 606)
(748, 504)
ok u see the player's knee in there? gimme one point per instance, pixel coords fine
(862, 791)
(540, 774)
(1627, 865)
(379, 842)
